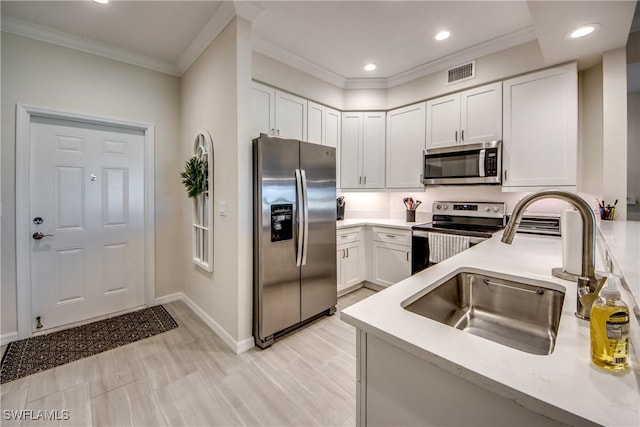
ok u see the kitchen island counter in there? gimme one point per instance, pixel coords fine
(563, 386)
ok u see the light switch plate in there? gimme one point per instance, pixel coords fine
(222, 209)
(631, 200)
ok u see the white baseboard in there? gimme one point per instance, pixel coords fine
(7, 338)
(236, 346)
(165, 299)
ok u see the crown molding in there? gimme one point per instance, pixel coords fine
(48, 35)
(223, 15)
(279, 54)
(482, 49)
(249, 10)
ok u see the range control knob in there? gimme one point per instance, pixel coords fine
(496, 209)
(487, 208)
(438, 207)
(445, 207)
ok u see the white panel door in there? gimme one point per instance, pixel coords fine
(350, 151)
(87, 199)
(263, 105)
(291, 116)
(481, 114)
(373, 149)
(405, 144)
(443, 121)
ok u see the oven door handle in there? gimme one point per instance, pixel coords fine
(481, 163)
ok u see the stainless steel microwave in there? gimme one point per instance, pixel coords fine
(479, 163)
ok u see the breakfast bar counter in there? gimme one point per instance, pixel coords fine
(408, 365)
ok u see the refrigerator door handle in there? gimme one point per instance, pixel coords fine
(305, 210)
(300, 214)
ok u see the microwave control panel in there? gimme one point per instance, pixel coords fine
(491, 162)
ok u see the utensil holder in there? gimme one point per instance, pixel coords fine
(606, 214)
(411, 216)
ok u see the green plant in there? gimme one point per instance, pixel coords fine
(194, 177)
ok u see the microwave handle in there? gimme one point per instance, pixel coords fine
(481, 162)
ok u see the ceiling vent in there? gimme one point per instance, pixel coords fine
(461, 72)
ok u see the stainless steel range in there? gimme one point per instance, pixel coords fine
(477, 221)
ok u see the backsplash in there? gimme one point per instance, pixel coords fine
(388, 204)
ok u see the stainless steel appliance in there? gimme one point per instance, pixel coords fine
(478, 220)
(294, 235)
(479, 163)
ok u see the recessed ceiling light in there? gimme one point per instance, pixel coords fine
(370, 67)
(443, 35)
(101, 1)
(582, 31)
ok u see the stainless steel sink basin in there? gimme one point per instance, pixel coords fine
(520, 313)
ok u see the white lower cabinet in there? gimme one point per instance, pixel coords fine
(391, 260)
(350, 258)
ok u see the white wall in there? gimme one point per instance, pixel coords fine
(590, 131)
(497, 66)
(389, 204)
(49, 76)
(614, 129)
(633, 155)
(216, 97)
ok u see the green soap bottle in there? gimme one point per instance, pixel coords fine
(610, 329)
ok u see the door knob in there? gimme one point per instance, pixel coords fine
(38, 235)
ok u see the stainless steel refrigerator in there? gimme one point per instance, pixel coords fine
(294, 235)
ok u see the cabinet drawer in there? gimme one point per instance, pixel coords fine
(392, 235)
(348, 235)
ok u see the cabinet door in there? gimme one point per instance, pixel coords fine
(405, 143)
(332, 136)
(262, 109)
(350, 149)
(316, 118)
(540, 130)
(391, 263)
(373, 149)
(291, 116)
(352, 265)
(443, 121)
(481, 114)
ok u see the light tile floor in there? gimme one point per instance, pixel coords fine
(189, 377)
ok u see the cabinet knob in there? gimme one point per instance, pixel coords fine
(456, 136)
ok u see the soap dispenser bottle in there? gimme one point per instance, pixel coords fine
(610, 328)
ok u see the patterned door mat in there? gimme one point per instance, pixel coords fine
(31, 355)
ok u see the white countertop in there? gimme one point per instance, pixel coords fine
(384, 222)
(564, 385)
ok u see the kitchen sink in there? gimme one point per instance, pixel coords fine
(520, 313)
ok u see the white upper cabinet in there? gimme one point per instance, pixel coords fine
(362, 150)
(263, 110)
(277, 113)
(291, 116)
(405, 143)
(443, 121)
(316, 123)
(540, 130)
(466, 117)
(481, 114)
(323, 125)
